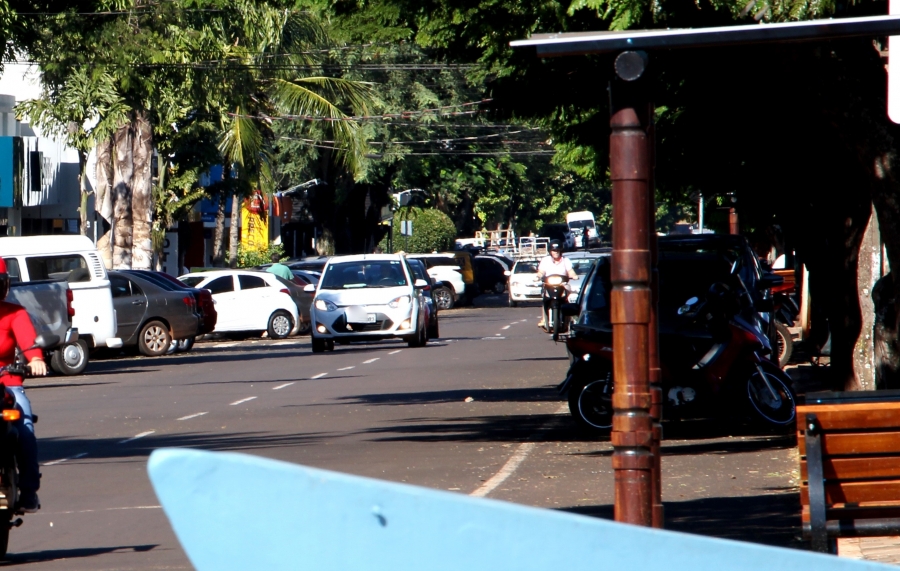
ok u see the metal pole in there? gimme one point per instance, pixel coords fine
(632, 430)
(701, 214)
(655, 371)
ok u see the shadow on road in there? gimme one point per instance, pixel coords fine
(771, 519)
(535, 394)
(55, 554)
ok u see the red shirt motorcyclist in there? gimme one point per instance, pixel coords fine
(16, 330)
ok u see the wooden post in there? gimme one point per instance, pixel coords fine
(632, 430)
(655, 371)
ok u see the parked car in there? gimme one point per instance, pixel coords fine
(450, 285)
(205, 305)
(420, 273)
(247, 303)
(581, 263)
(490, 273)
(316, 264)
(307, 277)
(367, 297)
(302, 299)
(523, 282)
(149, 315)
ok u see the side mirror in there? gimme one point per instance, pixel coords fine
(767, 281)
(420, 284)
(309, 288)
(570, 309)
(507, 273)
(46, 341)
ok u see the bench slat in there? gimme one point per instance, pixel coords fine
(856, 443)
(864, 415)
(856, 468)
(856, 492)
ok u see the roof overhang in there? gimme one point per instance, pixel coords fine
(551, 45)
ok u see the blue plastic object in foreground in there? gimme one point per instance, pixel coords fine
(237, 512)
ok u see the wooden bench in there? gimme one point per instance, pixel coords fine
(849, 465)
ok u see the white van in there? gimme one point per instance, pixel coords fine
(73, 259)
(583, 227)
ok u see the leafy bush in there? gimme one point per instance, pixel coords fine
(432, 231)
(253, 258)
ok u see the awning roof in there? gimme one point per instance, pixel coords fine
(549, 45)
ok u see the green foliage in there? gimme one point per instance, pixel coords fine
(433, 231)
(253, 258)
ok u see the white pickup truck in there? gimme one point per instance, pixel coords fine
(49, 304)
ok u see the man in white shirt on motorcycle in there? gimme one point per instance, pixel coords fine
(553, 265)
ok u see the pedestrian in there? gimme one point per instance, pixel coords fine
(280, 269)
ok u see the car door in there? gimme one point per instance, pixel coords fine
(254, 296)
(227, 306)
(130, 304)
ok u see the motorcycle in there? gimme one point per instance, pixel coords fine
(555, 288)
(713, 358)
(9, 473)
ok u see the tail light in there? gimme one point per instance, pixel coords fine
(188, 301)
(11, 415)
(285, 290)
(69, 297)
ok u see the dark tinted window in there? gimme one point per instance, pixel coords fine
(120, 287)
(251, 282)
(221, 285)
(418, 270)
(136, 289)
(12, 268)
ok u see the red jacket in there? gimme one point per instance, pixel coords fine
(15, 329)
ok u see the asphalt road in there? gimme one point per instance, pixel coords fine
(474, 412)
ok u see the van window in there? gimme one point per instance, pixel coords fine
(12, 268)
(70, 267)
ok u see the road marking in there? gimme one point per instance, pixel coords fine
(190, 416)
(61, 460)
(492, 338)
(395, 352)
(522, 320)
(232, 344)
(104, 510)
(279, 387)
(514, 461)
(136, 436)
(237, 402)
(347, 368)
(371, 361)
(506, 327)
(319, 376)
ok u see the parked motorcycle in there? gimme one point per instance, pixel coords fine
(9, 473)
(785, 310)
(555, 289)
(713, 358)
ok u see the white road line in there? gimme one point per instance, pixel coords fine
(237, 402)
(395, 352)
(506, 327)
(232, 344)
(512, 464)
(104, 510)
(371, 361)
(61, 460)
(319, 376)
(190, 416)
(347, 368)
(136, 436)
(490, 338)
(279, 387)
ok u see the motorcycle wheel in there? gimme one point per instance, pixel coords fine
(780, 408)
(590, 401)
(785, 343)
(9, 504)
(556, 323)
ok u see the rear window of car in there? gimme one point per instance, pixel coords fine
(71, 268)
(251, 282)
(221, 285)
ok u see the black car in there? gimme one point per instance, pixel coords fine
(420, 273)
(206, 308)
(490, 273)
(149, 315)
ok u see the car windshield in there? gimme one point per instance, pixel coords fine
(192, 281)
(364, 274)
(526, 267)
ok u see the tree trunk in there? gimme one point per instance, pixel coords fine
(869, 273)
(886, 293)
(84, 192)
(142, 194)
(219, 235)
(123, 174)
(234, 236)
(103, 198)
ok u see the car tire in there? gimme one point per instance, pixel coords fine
(305, 328)
(511, 302)
(318, 345)
(280, 324)
(499, 287)
(434, 331)
(420, 339)
(70, 359)
(329, 344)
(443, 297)
(185, 345)
(154, 339)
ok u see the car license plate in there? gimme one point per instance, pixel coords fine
(370, 318)
(534, 291)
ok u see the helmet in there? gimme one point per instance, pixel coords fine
(4, 280)
(555, 246)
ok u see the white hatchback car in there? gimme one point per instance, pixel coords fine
(523, 282)
(368, 297)
(248, 301)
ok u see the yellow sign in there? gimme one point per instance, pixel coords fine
(254, 230)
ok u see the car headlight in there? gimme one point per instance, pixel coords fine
(402, 300)
(554, 280)
(325, 305)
